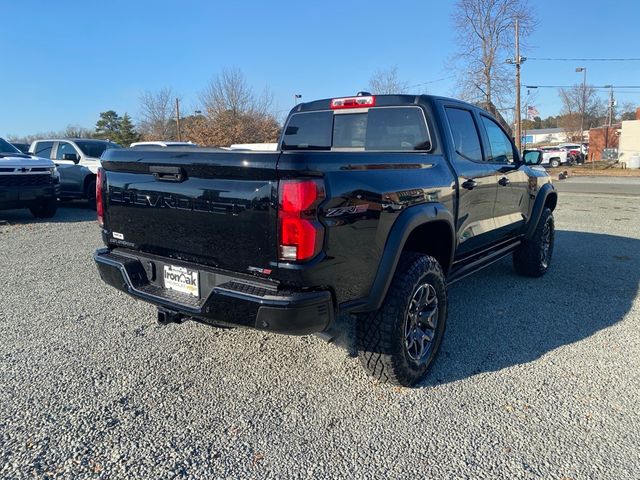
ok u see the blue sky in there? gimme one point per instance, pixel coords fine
(65, 61)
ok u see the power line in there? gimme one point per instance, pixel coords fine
(584, 59)
(604, 87)
(432, 81)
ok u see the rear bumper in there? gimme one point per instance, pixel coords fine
(21, 196)
(225, 299)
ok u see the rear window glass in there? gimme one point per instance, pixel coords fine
(383, 128)
(308, 131)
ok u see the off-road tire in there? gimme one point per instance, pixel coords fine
(529, 258)
(45, 208)
(382, 348)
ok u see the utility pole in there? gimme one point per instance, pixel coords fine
(517, 61)
(583, 101)
(526, 117)
(178, 119)
(611, 104)
(518, 109)
(610, 119)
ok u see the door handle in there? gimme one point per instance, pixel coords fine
(167, 174)
(469, 184)
(504, 181)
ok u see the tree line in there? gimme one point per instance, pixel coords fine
(230, 111)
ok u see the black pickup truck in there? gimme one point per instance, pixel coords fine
(371, 206)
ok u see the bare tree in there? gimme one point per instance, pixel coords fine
(229, 91)
(576, 101)
(76, 131)
(72, 131)
(157, 115)
(626, 112)
(485, 34)
(386, 81)
(232, 113)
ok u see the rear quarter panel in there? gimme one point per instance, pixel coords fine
(366, 192)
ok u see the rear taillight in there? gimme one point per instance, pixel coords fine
(301, 234)
(353, 102)
(99, 205)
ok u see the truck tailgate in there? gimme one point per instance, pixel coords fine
(209, 206)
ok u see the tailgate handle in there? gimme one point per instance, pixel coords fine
(167, 174)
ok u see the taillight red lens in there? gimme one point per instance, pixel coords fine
(99, 205)
(298, 195)
(301, 233)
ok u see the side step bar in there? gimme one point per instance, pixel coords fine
(481, 262)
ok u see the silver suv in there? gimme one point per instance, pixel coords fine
(77, 160)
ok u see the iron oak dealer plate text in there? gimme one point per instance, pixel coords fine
(181, 280)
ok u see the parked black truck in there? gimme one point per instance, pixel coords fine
(371, 206)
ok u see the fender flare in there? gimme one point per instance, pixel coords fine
(410, 219)
(546, 191)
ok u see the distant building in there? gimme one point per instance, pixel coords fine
(548, 136)
(629, 138)
(545, 135)
(601, 138)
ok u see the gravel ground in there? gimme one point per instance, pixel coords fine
(535, 379)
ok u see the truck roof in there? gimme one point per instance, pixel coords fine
(381, 100)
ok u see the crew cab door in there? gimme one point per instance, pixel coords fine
(512, 199)
(71, 175)
(477, 182)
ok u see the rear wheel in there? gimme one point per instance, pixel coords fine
(398, 343)
(533, 256)
(555, 163)
(45, 208)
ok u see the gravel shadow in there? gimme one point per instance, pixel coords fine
(498, 319)
(68, 212)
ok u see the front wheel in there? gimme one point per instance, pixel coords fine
(45, 208)
(398, 343)
(533, 257)
(90, 194)
(555, 163)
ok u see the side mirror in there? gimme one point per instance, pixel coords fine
(71, 156)
(532, 157)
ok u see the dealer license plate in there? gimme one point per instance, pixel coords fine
(181, 280)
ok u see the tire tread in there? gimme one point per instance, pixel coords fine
(526, 258)
(376, 350)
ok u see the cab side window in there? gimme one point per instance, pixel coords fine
(43, 149)
(500, 147)
(64, 147)
(465, 133)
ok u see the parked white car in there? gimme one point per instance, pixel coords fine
(553, 156)
(574, 146)
(258, 147)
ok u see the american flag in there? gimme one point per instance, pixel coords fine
(532, 112)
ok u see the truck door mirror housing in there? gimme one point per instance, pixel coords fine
(532, 157)
(71, 156)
